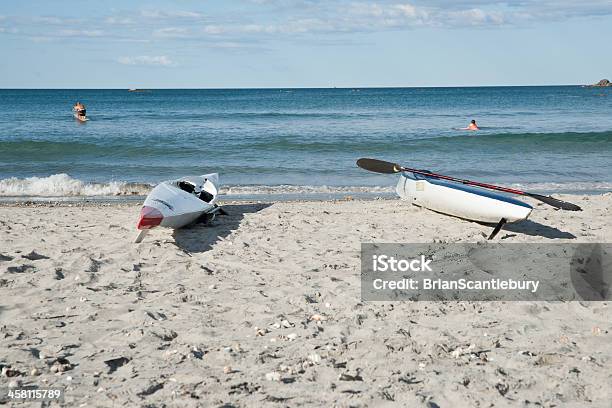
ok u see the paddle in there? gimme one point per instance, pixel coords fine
(380, 166)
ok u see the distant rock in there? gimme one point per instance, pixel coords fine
(603, 82)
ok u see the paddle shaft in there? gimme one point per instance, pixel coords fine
(468, 182)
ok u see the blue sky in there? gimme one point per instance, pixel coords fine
(302, 43)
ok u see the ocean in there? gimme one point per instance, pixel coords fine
(302, 142)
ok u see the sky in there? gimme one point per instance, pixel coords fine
(303, 43)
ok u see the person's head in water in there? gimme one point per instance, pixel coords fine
(472, 125)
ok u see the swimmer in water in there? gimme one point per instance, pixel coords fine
(472, 126)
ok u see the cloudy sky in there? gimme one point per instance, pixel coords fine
(302, 43)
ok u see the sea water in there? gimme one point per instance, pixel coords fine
(303, 142)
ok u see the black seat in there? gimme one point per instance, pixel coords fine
(206, 196)
(186, 186)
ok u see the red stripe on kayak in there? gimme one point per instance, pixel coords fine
(149, 217)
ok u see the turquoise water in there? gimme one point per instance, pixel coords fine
(303, 140)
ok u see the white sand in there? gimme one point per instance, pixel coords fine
(223, 314)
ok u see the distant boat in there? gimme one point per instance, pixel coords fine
(138, 90)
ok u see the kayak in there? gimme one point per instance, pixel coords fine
(177, 203)
(460, 200)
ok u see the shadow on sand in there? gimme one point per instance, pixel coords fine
(529, 227)
(200, 237)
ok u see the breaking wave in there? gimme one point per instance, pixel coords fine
(62, 185)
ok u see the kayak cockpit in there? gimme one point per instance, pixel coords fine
(205, 191)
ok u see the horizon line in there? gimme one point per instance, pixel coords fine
(303, 87)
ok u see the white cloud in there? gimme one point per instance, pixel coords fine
(407, 10)
(228, 45)
(81, 33)
(160, 60)
(406, 15)
(364, 17)
(117, 20)
(171, 32)
(48, 20)
(475, 17)
(161, 14)
(214, 29)
(378, 15)
(306, 20)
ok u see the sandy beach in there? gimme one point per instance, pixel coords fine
(263, 308)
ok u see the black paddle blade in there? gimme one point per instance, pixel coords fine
(379, 166)
(564, 205)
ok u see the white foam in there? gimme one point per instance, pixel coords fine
(57, 185)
